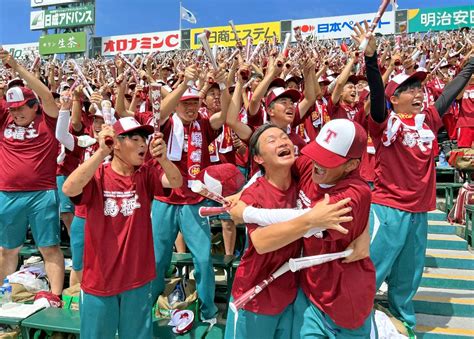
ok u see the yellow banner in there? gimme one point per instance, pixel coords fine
(223, 35)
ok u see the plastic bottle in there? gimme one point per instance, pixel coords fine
(5, 292)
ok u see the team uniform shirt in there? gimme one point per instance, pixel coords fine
(28, 154)
(183, 195)
(345, 292)
(343, 111)
(254, 267)
(313, 120)
(71, 160)
(405, 170)
(118, 244)
(465, 123)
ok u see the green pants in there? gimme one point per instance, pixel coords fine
(397, 249)
(129, 313)
(310, 322)
(261, 326)
(167, 219)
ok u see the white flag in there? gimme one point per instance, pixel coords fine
(188, 16)
(394, 5)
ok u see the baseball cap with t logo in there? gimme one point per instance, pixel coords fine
(338, 141)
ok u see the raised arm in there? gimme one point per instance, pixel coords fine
(452, 89)
(81, 176)
(242, 130)
(342, 79)
(47, 100)
(172, 177)
(309, 88)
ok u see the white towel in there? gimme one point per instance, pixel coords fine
(176, 139)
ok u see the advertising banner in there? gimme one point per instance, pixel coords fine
(39, 3)
(62, 43)
(61, 18)
(338, 27)
(20, 51)
(223, 35)
(141, 43)
(440, 19)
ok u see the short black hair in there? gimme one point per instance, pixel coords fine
(254, 145)
(131, 134)
(409, 84)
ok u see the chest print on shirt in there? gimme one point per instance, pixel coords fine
(303, 201)
(412, 139)
(123, 202)
(20, 132)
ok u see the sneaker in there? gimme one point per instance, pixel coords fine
(182, 321)
(411, 333)
(47, 299)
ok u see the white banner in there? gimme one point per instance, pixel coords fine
(338, 27)
(39, 3)
(141, 43)
(20, 51)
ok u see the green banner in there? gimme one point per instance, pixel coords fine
(63, 17)
(440, 19)
(62, 43)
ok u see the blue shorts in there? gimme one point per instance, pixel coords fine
(77, 242)
(37, 209)
(66, 205)
(129, 313)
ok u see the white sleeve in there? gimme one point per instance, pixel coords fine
(62, 130)
(268, 216)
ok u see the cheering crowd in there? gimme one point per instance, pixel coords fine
(338, 145)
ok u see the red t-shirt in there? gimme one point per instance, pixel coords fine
(343, 111)
(28, 154)
(255, 267)
(345, 292)
(466, 111)
(118, 244)
(72, 159)
(183, 195)
(405, 171)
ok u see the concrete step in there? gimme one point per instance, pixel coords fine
(436, 215)
(446, 242)
(448, 278)
(443, 227)
(437, 326)
(449, 259)
(447, 302)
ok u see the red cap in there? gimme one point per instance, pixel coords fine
(277, 82)
(338, 141)
(190, 94)
(129, 124)
(225, 179)
(18, 96)
(399, 79)
(279, 92)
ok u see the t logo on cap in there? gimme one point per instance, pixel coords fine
(330, 134)
(11, 96)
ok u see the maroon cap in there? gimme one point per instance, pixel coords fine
(18, 96)
(225, 179)
(129, 124)
(399, 79)
(279, 92)
(277, 82)
(338, 141)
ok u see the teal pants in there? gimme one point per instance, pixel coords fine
(65, 203)
(310, 322)
(129, 313)
(397, 249)
(167, 220)
(253, 325)
(77, 242)
(38, 210)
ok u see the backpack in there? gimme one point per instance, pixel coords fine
(462, 158)
(465, 197)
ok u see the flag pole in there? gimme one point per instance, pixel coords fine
(180, 17)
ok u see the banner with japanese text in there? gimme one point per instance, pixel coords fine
(62, 43)
(141, 43)
(338, 27)
(223, 35)
(21, 51)
(40, 3)
(440, 19)
(63, 17)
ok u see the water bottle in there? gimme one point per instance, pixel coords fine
(5, 292)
